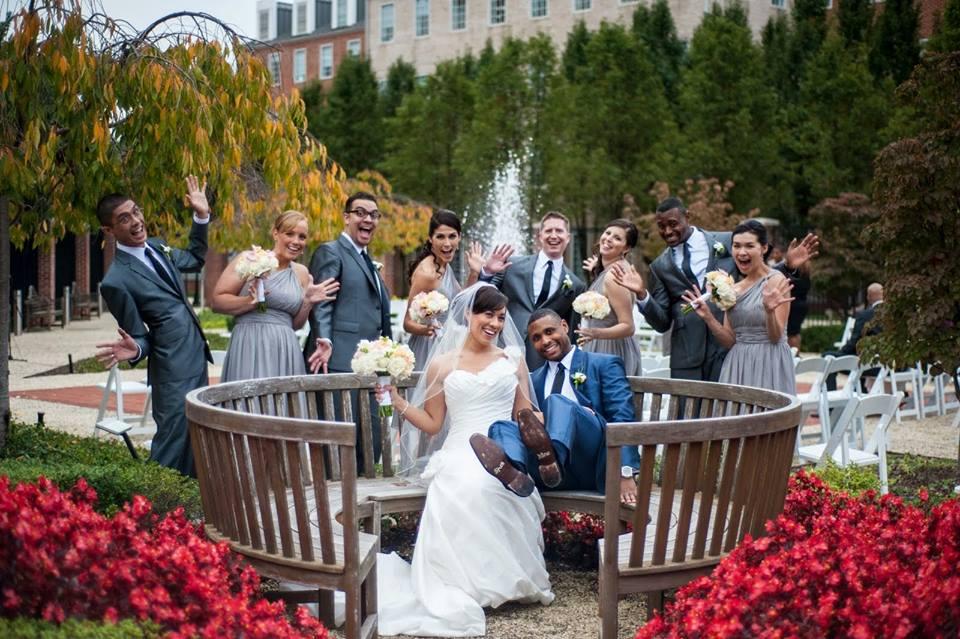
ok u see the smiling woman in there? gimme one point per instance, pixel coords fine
(264, 344)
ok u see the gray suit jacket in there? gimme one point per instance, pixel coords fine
(517, 284)
(158, 317)
(690, 341)
(359, 312)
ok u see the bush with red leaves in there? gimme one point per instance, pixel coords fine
(60, 559)
(830, 566)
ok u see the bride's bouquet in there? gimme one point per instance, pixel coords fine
(387, 360)
(719, 289)
(592, 305)
(254, 264)
(426, 306)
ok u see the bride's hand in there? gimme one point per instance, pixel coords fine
(381, 389)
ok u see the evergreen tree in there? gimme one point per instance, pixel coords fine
(775, 39)
(853, 20)
(947, 35)
(574, 52)
(808, 29)
(896, 47)
(728, 112)
(654, 26)
(401, 80)
(350, 124)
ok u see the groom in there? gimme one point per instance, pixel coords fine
(579, 393)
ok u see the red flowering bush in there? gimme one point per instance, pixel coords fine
(60, 559)
(830, 566)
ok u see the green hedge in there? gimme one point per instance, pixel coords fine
(820, 338)
(21, 628)
(851, 479)
(107, 466)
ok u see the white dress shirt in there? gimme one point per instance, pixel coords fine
(567, 390)
(361, 250)
(540, 270)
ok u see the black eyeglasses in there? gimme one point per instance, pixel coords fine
(373, 215)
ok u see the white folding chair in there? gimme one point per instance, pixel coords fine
(837, 399)
(810, 401)
(838, 448)
(847, 332)
(942, 385)
(913, 377)
(122, 424)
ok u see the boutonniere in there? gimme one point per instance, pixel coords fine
(578, 379)
(166, 250)
(567, 282)
(719, 249)
(378, 265)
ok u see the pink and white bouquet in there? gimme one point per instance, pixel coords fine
(254, 264)
(720, 289)
(387, 360)
(592, 305)
(426, 306)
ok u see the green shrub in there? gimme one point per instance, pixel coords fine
(851, 479)
(820, 338)
(106, 465)
(210, 320)
(217, 341)
(21, 628)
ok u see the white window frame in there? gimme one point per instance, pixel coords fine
(263, 24)
(273, 59)
(300, 9)
(326, 47)
(299, 56)
(393, 22)
(589, 6)
(491, 11)
(354, 47)
(416, 19)
(453, 13)
(829, 4)
(546, 9)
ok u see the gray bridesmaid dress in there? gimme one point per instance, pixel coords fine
(754, 360)
(625, 348)
(264, 344)
(420, 344)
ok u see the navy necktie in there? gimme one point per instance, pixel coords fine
(558, 379)
(545, 287)
(162, 272)
(687, 271)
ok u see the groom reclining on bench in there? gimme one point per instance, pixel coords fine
(564, 447)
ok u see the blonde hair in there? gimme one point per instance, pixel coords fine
(287, 220)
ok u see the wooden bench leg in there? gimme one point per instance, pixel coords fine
(353, 620)
(654, 603)
(609, 621)
(325, 608)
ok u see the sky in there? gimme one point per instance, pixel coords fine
(240, 14)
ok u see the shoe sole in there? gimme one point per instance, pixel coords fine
(495, 462)
(535, 438)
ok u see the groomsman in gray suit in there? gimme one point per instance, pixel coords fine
(690, 254)
(144, 292)
(532, 282)
(362, 308)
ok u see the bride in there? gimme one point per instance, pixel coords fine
(478, 544)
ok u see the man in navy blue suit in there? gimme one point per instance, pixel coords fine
(564, 447)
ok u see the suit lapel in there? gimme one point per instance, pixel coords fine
(172, 270)
(526, 273)
(350, 250)
(564, 274)
(579, 365)
(538, 378)
(140, 268)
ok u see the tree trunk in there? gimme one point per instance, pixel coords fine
(4, 322)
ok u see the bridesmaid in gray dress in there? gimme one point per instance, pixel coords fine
(431, 271)
(613, 334)
(264, 344)
(755, 329)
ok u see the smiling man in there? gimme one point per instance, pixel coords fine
(144, 292)
(532, 282)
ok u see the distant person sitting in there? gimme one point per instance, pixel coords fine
(861, 319)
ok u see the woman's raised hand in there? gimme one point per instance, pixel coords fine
(325, 291)
(475, 257)
(589, 263)
(776, 294)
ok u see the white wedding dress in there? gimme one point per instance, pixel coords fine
(479, 544)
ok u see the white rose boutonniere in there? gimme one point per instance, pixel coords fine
(377, 265)
(166, 249)
(567, 283)
(578, 379)
(719, 249)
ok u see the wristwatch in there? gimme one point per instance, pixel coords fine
(627, 472)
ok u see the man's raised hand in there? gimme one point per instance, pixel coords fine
(627, 276)
(800, 252)
(499, 259)
(196, 197)
(122, 350)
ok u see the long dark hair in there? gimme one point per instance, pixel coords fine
(442, 217)
(631, 235)
(488, 298)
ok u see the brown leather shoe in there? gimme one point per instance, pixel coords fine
(537, 441)
(495, 462)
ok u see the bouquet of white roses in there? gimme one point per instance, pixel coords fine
(387, 360)
(592, 305)
(719, 289)
(254, 264)
(425, 306)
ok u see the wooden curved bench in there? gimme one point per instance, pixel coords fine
(276, 462)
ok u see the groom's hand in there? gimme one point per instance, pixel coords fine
(628, 491)
(499, 260)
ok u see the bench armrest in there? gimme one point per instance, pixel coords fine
(368, 514)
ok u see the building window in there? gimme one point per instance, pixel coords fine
(386, 23)
(498, 11)
(780, 4)
(422, 18)
(342, 17)
(538, 8)
(301, 18)
(458, 15)
(273, 66)
(326, 62)
(829, 4)
(353, 47)
(299, 66)
(582, 5)
(264, 25)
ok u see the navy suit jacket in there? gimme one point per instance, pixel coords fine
(605, 391)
